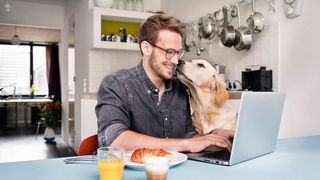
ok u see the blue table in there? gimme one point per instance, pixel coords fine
(294, 158)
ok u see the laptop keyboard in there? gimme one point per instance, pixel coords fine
(221, 155)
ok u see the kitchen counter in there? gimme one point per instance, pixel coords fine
(25, 102)
(235, 94)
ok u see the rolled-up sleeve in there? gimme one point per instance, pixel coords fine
(111, 110)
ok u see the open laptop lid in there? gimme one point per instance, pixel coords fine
(257, 125)
(257, 128)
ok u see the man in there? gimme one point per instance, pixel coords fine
(145, 106)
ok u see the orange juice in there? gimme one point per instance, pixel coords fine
(111, 169)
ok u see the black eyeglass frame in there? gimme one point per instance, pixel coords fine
(169, 51)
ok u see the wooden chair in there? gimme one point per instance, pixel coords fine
(88, 146)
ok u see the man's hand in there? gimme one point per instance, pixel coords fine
(199, 143)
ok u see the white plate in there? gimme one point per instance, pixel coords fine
(176, 159)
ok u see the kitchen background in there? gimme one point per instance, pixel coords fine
(287, 46)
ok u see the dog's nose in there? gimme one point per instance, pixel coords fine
(180, 62)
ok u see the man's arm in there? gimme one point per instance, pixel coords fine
(130, 140)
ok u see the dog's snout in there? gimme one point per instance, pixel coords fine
(181, 62)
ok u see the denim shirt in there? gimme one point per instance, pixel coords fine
(128, 100)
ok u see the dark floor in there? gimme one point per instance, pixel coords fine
(22, 144)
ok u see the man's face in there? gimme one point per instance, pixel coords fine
(162, 66)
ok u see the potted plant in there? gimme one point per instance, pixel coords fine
(48, 114)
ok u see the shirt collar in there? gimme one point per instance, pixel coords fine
(150, 87)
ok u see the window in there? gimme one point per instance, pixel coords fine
(40, 79)
(20, 67)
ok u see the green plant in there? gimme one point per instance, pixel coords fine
(49, 113)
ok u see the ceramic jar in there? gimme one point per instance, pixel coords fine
(104, 3)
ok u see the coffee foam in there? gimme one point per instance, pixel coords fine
(157, 164)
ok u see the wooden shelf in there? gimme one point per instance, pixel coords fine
(99, 14)
(117, 45)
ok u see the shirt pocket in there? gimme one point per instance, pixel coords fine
(178, 123)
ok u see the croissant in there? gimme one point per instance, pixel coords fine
(140, 155)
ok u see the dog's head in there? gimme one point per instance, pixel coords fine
(200, 75)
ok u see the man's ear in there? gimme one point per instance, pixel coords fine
(221, 93)
(145, 48)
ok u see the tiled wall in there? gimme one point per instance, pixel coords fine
(104, 62)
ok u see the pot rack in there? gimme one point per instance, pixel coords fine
(193, 37)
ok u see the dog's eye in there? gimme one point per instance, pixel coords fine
(201, 65)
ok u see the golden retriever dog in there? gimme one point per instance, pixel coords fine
(208, 96)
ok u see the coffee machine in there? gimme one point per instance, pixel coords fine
(257, 80)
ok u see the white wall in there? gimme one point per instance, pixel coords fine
(299, 63)
(82, 40)
(70, 8)
(287, 46)
(103, 62)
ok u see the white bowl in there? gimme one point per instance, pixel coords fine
(104, 3)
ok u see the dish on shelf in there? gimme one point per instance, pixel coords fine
(156, 12)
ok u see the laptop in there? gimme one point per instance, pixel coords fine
(258, 122)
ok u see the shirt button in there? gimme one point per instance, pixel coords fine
(156, 90)
(158, 104)
(166, 119)
(149, 92)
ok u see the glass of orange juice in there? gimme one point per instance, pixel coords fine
(111, 163)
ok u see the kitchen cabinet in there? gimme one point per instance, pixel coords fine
(99, 14)
(88, 118)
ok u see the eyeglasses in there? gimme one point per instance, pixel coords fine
(170, 53)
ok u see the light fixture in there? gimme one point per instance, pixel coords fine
(15, 40)
(7, 7)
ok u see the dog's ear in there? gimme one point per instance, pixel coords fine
(221, 93)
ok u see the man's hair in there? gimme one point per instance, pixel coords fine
(150, 28)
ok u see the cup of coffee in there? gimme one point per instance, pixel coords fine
(156, 168)
(110, 163)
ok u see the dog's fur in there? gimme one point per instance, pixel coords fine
(208, 96)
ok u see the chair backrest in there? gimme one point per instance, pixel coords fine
(88, 146)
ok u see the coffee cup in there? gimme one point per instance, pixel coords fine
(110, 163)
(156, 168)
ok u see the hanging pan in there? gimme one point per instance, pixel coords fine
(227, 34)
(207, 27)
(255, 22)
(243, 35)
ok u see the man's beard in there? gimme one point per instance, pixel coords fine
(159, 68)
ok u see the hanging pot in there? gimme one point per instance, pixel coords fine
(227, 34)
(207, 27)
(243, 37)
(256, 20)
